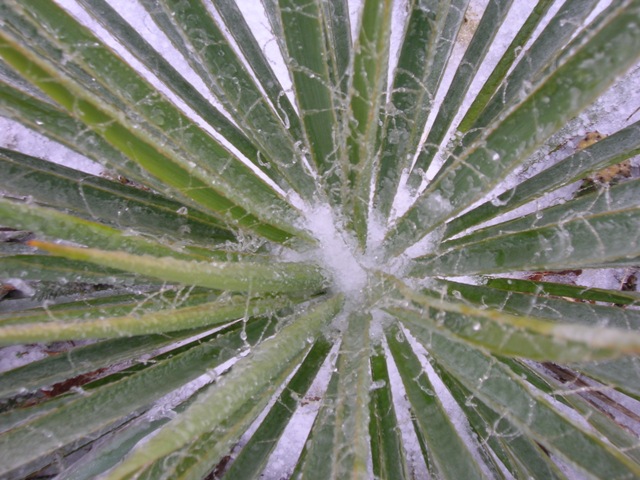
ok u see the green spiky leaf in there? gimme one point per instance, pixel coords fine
(319, 239)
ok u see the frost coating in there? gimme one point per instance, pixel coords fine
(338, 254)
(334, 252)
(355, 273)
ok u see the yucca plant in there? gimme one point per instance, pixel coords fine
(403, 263)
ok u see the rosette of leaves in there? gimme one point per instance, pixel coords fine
(203, 249)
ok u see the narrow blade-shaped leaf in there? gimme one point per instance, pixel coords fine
(82, 360)
(564, 290)
(254, 455)
(207, 314)
(615, 198)
(245, 276)
(207, 450)
(590, 240)
(436, 427)
(256, 58)
(194, 32)
(622, 374)
(338, 446)
(507, 393)
(161, 67)
(386, 442)
(369, 82)
(151, 300)
(77, 419)
(55, 224)
(45, 268)
(494, 14)
(249, 377)
(519, 336)
(526, 76)
(611, 150)
(543, 306)
(80, 96)
(306, 55)
(505, 145)
(428, 41)
(520, 455)
(539, 56)
(337, 26)
(506, 61)
(86, 196)
(31, 110)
